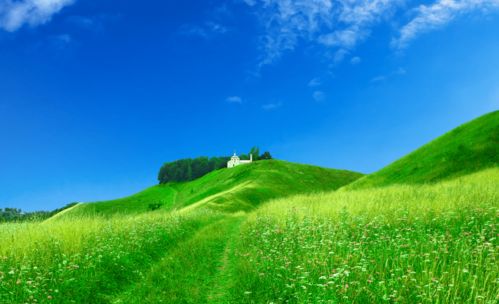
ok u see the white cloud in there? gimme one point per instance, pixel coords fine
(15, 14)
(438, 14)
(339, 55)
(207, 30)
(271, 106)
(319, 96)
(316, 82)
(399, 71)
(287, 21)
(337, 27)
(343, 38)
(334, 24)
(355, 60)
(379, 78)
(234, 99)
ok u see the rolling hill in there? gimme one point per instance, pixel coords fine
(239, 189)
(426, 237)
(472, 147)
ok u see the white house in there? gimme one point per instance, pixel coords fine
(236, 161)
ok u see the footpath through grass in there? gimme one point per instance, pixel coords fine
(401, 244)
(87, 260)
(192, 272)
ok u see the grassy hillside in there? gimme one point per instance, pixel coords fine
(398, 244)
(402, 244)
(238, 189)
(430, 237)
(85, 260)
(469, 148)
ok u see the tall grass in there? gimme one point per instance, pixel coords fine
(191, 272)
(405, 244)
(86, 260)
(419, 244)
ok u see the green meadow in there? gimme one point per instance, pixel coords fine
(410, 244)
(422, 230)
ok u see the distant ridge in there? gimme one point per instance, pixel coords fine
(469, 148)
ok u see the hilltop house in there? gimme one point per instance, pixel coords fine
(236, 161)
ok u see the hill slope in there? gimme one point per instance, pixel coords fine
(469, 148)
(238, 189)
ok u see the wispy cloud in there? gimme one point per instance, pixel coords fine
(15, 14)
(286, 22)
(315, 82)
(438, 14)
(381, 78)
(207, 31)
(234, 99)
(355, 60)
(62, 40)
(339, 25)
(271, 106)
(319, 96)
(82, 21)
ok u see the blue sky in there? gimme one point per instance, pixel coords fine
(96, 95)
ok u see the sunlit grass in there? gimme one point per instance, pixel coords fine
(405, 244)
(84, 260)
(422, 244)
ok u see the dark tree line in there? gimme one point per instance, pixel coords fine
(17, 215)
(192, 168)
(189, 168)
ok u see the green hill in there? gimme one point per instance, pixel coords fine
(467, 149)
(238, 189)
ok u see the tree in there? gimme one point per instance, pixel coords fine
(255, 151)
(266, 155)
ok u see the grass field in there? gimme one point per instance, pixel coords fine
(87, 260)
(277, 232)
(406, 244)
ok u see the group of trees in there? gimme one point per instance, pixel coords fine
(191, 168)
(255, 151)
(17, 215)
